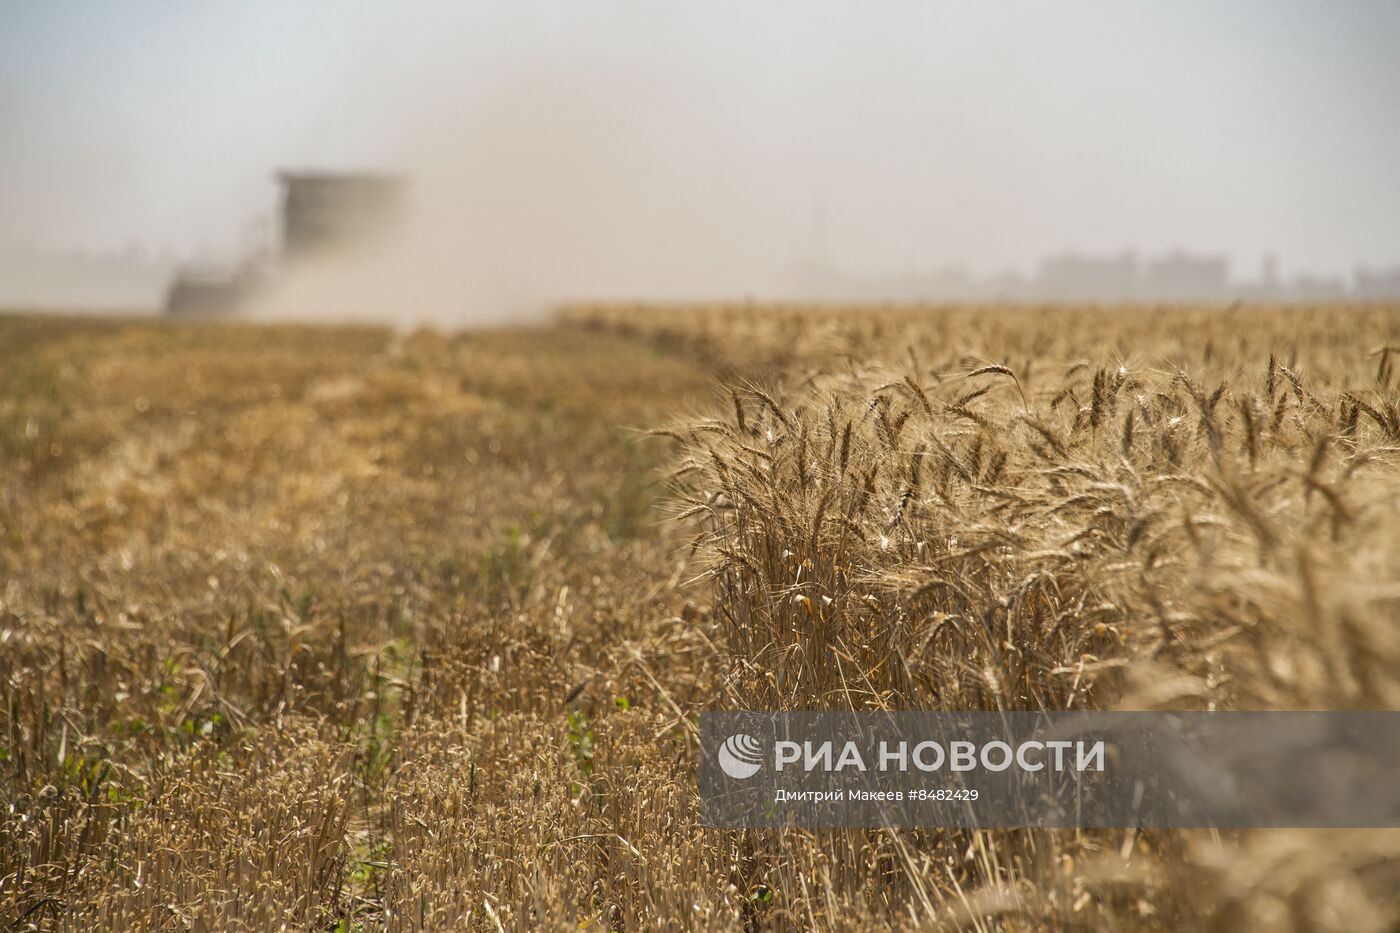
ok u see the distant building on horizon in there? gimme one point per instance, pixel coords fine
(1073, 277)
(1377, 285)
(1077, 277)
(1181, 276)
(1318, 288)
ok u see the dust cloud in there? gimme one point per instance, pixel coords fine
(560, 186)
(622, 150)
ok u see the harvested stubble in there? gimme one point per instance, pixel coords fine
(328, 629)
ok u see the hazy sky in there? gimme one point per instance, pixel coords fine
(720, 139)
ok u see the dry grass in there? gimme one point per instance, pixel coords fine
(331, 629)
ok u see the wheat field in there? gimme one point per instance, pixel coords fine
(341, 629)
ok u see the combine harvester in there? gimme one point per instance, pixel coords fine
(319, 211)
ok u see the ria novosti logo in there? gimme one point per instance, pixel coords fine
(740, 756)
(993, 769)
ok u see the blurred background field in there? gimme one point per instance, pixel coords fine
(344, 628)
